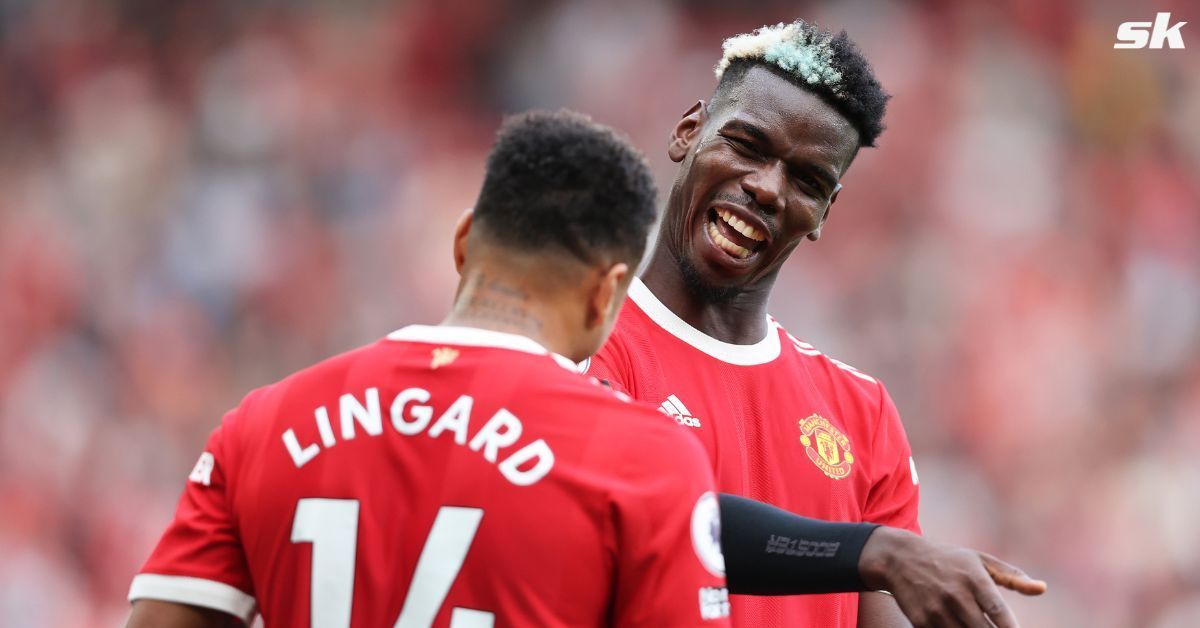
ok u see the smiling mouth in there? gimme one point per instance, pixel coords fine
(732, 235)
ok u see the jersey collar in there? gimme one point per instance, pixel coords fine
(761, 352)
(475, 337)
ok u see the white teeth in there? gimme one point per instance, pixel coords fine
(740, 226)
(723, 242)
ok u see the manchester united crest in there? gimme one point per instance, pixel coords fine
(827, 447)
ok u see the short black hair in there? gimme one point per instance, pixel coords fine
(830, 66)
(558, 180)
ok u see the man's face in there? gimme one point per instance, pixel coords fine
(759, 170)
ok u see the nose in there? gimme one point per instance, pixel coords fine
(767, 185)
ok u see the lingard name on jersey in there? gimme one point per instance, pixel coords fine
(412, 413)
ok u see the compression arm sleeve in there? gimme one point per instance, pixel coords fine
(770, 551)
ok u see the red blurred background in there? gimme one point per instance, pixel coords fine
(199, 197)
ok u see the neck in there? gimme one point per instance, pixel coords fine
(487, 300)
(739, 319)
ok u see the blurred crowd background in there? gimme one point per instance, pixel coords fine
(198, 197)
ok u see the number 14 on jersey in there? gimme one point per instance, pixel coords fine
(331, 525)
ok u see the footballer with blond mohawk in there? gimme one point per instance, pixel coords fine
(761, 163)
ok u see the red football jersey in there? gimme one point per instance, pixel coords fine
(782, 423)
(446, 476)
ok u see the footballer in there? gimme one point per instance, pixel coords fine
(465, 474)
(760, 166)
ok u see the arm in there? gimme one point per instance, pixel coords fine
(893, 500)
(931, 582)
(937, 584)
(156, 614)
(669, 566)
(199, 561)
(770, 551)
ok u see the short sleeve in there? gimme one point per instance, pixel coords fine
(199, 560)
(670, 569)
(895, 491)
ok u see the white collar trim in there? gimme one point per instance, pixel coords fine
(476, 337)
(761, 352)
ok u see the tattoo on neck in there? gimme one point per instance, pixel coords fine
(495, 303)
(495, 285)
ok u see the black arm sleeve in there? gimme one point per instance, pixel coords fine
(770, 551)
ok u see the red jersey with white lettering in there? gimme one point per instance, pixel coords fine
(446, 476)
(782, 423)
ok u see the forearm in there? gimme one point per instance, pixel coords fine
(770, 551)
(159, 614)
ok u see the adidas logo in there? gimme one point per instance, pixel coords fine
(675, 408)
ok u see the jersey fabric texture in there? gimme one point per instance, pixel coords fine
(445, 475)
(782, 423)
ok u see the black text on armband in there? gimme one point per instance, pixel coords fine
(801, 547)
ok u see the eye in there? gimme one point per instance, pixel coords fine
(743, 146)
(810, 185)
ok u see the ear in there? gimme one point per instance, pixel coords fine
(686, 131)
(816, 234)
(604, 301)
(462, 229)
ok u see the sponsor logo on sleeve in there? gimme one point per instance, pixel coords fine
(202, 472)
(706, 534)
(714, 602)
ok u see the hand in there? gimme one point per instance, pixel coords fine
(942, 585)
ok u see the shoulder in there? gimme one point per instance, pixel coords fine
(832, 372)
(660, 445)
(309, 382)
(630, 342)
(340, 364)
(632, 428)
(637, 337)
(582, 392)
(632, 327)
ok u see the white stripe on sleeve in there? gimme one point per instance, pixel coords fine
(194, 591)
